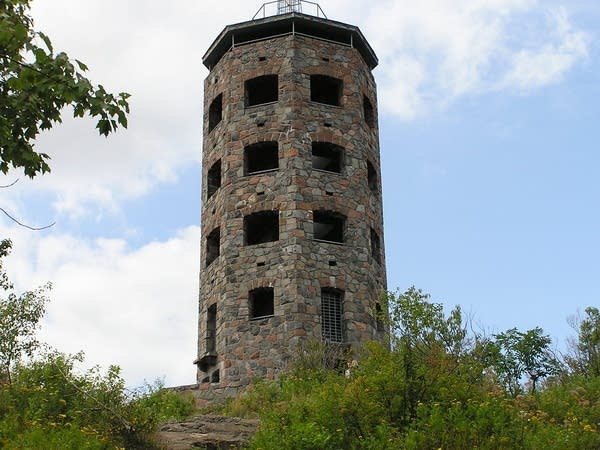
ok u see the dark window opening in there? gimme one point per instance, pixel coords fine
(331, 315)
(379, 317)
(262, 58)
(214, 378)
(375, 246)
(261, 302)
(327, 156)
(261, 157)
(328, 226)
(261, 227)
(212, 245)
(215, 112)
(368, 112)
(211, 329)
(213, 178)
(324, 89)
(372, 177)
(260, 90)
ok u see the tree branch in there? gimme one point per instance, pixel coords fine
(24, 225)
(11, 184)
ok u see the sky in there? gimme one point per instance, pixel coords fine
(488, 121)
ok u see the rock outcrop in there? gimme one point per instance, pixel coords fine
(210, 432)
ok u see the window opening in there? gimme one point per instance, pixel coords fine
(375, 246)
(324, 89)
(212, 245)
(331, 315)
(261, 227)
(368, 111)
(261, 90)
(215, 112)
(214, 378)
(213, 179)
(211, 328)
(327, 156)
(372, 177)
(261, 302)
(261, 157)
(379, 317)
(328, 226)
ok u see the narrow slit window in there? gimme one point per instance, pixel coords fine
(261, 157)
(379, 317)
(324, 89)
(213, 178)
(261, 227)
(375, 246)
(368, 112)
(261, 302)
(259, 90)
(215, 112)
(332, 302)
(211, 328)
(212, 246)
(327, 156)
(328, 226)
(372, 178)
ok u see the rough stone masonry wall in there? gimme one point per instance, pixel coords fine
(296, 266)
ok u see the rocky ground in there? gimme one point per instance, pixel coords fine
(209, 432)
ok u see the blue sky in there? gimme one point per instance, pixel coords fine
(488, 115)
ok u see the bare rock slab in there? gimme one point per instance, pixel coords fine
(211, 432)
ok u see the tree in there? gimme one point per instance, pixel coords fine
(585, 352)
(35, 84)
(19, 319)
(518, 354)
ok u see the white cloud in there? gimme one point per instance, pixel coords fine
(432, 52)
(132, 307)
(548, 64)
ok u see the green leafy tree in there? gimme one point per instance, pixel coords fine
(519, 354)
(585, 356)
(36, 83)
(19, 319)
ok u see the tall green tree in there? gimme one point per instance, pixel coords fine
(19, 319)
(585, 352)
(36, 83)
(523, 354)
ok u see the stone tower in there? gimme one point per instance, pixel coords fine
(292, 224)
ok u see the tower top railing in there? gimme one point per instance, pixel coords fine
(289, 6)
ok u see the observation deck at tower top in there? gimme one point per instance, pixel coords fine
(294, 22)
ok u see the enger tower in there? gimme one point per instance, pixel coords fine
(292, 223)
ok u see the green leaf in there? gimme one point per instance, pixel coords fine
(81, 65)
(46, 41)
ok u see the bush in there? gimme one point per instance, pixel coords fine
(49, 405)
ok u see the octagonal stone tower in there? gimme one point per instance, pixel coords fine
(292, 223)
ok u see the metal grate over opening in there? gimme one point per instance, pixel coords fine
(331, 315)
(288, 6)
